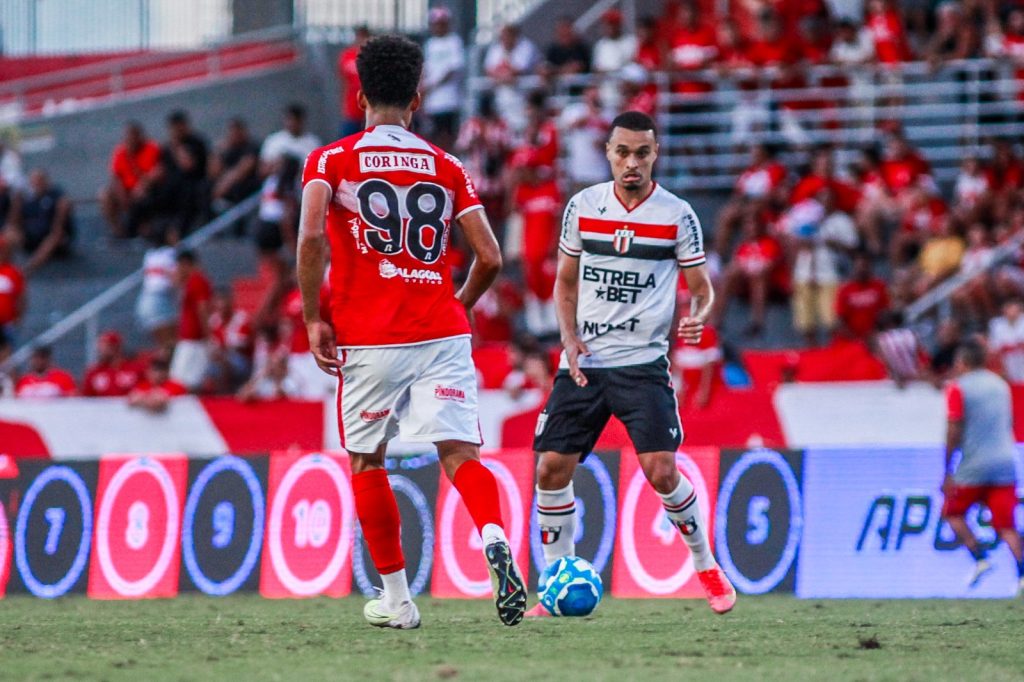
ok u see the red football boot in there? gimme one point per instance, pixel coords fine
(720, 592)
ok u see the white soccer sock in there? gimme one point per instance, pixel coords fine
(683, 509)
(396, 589)
(556, 517)
(491, 533)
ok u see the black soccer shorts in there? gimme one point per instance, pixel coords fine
(641, 396)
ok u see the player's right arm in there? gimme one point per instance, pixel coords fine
(567, 292)
(567, 289)
(311, 262)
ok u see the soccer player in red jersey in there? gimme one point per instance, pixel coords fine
(400, 343)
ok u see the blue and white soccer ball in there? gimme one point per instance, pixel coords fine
(570, 587)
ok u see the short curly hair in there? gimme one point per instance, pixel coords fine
(389, 68)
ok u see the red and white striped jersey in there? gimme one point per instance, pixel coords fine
(395, 196)
(629, 271)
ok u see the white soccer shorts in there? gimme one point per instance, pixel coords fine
(190, 363)
(426, 393)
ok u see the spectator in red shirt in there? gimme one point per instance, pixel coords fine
(1006, 175)
(352, 116)
(311, 380)
(861, 301)
(692, 47)
(923, 217)
(156, 390)
(903, 167)
(191, 360)
(12, 291)
(495, 312)
(113, 374)
(128, 200)
(649, 48)
(754, 270)
(762, 184)
(483, 144)
(43, 380)
(700, 369)
(536, 197)
(231, 334)
(822, 175)
(886, 27)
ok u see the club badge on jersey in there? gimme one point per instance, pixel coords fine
(622, 240)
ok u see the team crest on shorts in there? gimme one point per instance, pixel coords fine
(449, 393)
(370, 416)
(623, 240)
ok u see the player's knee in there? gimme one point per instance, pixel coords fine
(663, 476)
(554, 472)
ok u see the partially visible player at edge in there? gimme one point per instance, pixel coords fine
(402, 352)
(980, 428)
(630, 237)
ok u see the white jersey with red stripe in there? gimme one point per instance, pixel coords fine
(394, 197)
(629, 271)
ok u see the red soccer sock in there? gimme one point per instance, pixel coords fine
(378, 515)
(479, 491)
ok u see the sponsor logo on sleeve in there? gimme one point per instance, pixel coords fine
(321, 165)
(386, 162)
(694, 239)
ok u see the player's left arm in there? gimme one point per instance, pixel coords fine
(487, 257)
(954, 431)
(702, 299)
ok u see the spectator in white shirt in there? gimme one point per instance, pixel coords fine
(614, 50)
(506, 60)
(585, 129)
(292, 140)
(1006, 340)
(824, 237)
(444, 61)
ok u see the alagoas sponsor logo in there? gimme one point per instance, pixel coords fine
(449, 393)
(370, 416)
(389, 270)
(384, 162)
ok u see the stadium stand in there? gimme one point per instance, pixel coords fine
(872, 144)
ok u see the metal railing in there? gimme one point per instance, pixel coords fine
(43, 27)
(116, 78)
(87, 316)
(948, 112)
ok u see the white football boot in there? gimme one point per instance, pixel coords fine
(406, 617)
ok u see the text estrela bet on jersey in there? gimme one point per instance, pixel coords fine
(629, 271)
(394, 198)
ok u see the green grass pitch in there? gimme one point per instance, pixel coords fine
(765, 638)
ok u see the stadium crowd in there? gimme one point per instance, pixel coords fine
(846, 247)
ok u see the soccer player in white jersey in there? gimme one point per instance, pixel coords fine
(386, 200)
(623, 244)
